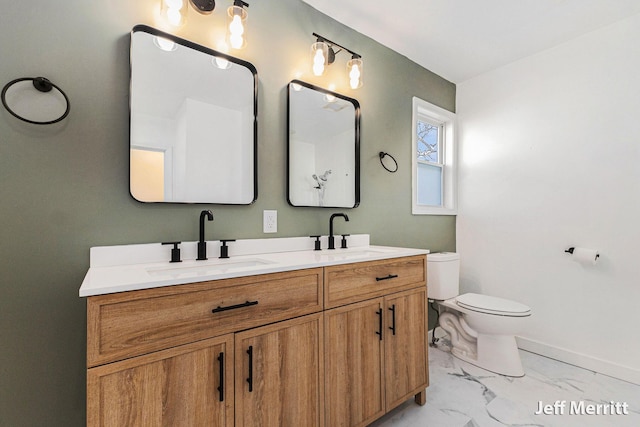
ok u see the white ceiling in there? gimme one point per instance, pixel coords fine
(460, 39)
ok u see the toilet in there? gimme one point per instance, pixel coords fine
(482, 328)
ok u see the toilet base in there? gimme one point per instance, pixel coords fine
(495, 353)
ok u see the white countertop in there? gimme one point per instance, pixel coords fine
(135, 267)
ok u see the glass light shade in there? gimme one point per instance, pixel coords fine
(174, 12)
(319, 55)
(236, 20)
(354, 68)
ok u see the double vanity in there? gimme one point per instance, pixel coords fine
(278, 334)
(255, 332)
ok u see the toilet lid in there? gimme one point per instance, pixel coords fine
(492, 305)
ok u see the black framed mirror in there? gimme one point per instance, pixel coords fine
(193, 122)
(323, 147)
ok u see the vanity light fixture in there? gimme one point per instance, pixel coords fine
(237, 17)
(324, 54)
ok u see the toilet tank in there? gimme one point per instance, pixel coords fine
(443, 274)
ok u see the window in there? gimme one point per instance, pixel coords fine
(434, 161)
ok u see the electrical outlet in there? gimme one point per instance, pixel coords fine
(270, 222)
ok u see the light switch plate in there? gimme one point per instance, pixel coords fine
(270, 221)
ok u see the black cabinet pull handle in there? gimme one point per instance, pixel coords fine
(250, 379)
(233, 307)
(392, 309)
(391, 276)
(379, 313)
(221, 387)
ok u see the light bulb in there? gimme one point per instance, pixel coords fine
(318, 63)
(354, 66)
(174, 16)
(174, 12)
(236, 26)
(319, 52)
(236, 30)
(355, 73)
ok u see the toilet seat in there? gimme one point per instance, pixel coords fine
(492, 305)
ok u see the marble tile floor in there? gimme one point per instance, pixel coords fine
(462, 395)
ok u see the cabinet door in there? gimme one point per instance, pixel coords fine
(190, 385)
(354, 362)
(279, 374)
(406, 371)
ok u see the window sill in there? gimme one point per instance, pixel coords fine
(426, 210)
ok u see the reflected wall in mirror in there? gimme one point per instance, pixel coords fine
(323, 164)
(193, 135)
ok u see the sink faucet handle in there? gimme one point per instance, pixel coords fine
(343, 243)
(224, 249)
(175, 252)
(317, 246)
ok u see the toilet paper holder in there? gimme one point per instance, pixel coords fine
(571, 249)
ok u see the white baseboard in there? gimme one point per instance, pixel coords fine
(624, 373)
(621, 372)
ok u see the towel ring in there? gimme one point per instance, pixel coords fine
(382, 155)
(42, 84)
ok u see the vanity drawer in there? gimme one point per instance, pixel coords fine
(132, 323)
(349, 283)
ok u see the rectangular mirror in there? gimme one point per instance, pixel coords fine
(323, 149)
(193, 134)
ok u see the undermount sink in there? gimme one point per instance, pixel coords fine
(210, 267)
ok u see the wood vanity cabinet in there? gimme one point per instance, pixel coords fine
(189, 385)
(376, 348)
(335, 346)
(279, 374)
(158, 357)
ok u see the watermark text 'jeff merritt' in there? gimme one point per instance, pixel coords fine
(580, 407)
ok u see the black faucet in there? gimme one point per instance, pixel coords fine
(202, 244)
(331, 239)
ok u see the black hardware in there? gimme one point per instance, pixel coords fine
(382, 155)
(571, 249)
(379, 313)
(175, 252)
(224, 249)
(331, 239)
(392, 309)
(43, 85)
(233, 307)
(391, 276)
(202, 244)
(317, 245)
(343, 243)
(205, 7)
(250, 379)
(332, 44)
(221, 387)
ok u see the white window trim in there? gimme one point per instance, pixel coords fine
(449, 178)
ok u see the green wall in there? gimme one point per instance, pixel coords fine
(64, 187)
